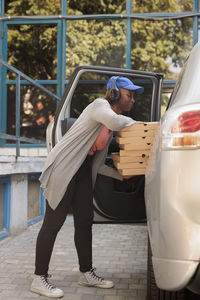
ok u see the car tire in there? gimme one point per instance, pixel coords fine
(154, 293)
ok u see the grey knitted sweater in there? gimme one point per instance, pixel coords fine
(69, 153)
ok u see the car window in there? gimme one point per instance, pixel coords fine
(92, 85)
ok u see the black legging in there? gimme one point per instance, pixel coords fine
(80, 195)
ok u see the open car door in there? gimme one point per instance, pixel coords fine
(114, 201)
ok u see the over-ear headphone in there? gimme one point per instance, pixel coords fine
(114, 91)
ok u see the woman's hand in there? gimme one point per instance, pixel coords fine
(127, 176)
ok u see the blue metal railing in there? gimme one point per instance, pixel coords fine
(5, 181)
(17, 137)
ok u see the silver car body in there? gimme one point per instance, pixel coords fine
(172, 189)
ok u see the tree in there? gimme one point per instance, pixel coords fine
(157, 45)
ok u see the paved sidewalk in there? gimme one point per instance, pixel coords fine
(119, 253)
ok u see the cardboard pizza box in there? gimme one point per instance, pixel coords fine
(135, 143)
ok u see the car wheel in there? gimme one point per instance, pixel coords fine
(153, 292)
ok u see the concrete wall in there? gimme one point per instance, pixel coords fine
(19, 203)
(18, 169)
(21, 165)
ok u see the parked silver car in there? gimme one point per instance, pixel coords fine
(172, 189)
(171, 206)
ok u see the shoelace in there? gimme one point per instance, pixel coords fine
(92, 273)
(46, 282)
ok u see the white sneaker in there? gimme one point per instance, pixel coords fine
(42, 286)
(91, 279)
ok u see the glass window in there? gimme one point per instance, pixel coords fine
(93, 85)
(33, 50)
(2, 192)
(100, 43)
(161, 46)
(156, 6)
(37, 110)
(33, 198)
(141, 110)
(32, 7)
(96, 7)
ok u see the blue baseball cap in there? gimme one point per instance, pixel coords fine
(125, 83)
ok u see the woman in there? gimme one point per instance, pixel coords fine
(69, 176)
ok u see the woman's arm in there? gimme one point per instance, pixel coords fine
(103, 113)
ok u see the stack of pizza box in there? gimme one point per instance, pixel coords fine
(135, 143)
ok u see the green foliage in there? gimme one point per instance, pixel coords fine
(32, 49)
(98, 6)
(95, 43)
(173, 6)
(33, 7)
(156, 44)
(164, 102)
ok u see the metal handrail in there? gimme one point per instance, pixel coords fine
(17, 137)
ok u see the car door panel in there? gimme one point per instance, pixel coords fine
(120, 200)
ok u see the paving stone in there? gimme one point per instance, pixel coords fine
(114, 298)
(106, 291)
(92, 297)
(19, 298)
(127, 292)
(119, 253)
(71, 297)
(122, 275)
(27, 295)
(4, 286)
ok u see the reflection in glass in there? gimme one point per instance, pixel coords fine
(96, 7)
(33, 49)
(37, 109)
(141, 110)
(177, 6)
(95, 42)
(31, 8)
(162, 45)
